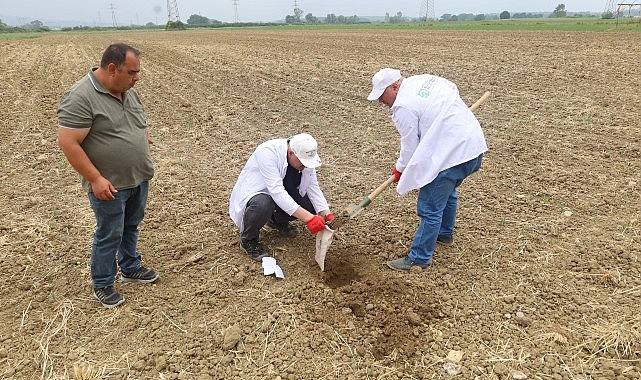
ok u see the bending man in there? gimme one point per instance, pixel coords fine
(442, 143)
(278, 185)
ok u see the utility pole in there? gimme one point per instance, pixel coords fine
(113, 15)
(297, 12)
(611, 7)
(427, 10)
(172, 10)
(235, 11)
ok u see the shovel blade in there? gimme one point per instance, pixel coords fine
(349, 213)
(339, 221)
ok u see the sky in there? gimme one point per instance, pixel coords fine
(139, 12)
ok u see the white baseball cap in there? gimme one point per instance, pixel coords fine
(381, 80)
(305, 148)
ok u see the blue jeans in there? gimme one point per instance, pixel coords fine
(436, 207)
(116, 234)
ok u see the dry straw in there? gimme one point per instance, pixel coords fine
(619, 339)
(56, 325)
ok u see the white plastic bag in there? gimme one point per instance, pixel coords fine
(270, 267)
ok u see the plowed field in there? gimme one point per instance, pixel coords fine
(543, 281)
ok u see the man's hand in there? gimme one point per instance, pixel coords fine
(397, 175)
(316, 224)
(103, 189)
(329, 217)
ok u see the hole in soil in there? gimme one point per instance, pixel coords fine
(340, 273)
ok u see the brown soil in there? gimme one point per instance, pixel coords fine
(543, 281)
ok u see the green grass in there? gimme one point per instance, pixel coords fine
(561, 24)
(19, 35)
(587, 24)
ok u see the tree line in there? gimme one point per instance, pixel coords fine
(558, 12)
(298, 18)
(33, 26)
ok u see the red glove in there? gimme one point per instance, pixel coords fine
(329, 217)
(397, 175)
(316, 224)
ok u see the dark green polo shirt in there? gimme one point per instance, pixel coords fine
(117, 141)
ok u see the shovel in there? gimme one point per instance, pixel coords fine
(324, 238)
(352, 210)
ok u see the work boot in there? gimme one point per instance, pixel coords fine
(286, 230)
(254, 249)
(404, 264)
(445, 240)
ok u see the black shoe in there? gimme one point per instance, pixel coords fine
(287, 230)
(445, 240)
(404, 264)
(108, 296)
(254, 249)
(142, 274)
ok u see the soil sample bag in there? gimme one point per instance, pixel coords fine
(323, 240)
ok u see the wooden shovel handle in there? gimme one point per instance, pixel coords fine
(380, 189)
(481, 100)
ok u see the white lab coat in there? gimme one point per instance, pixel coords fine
(437, 130)
(264, 173)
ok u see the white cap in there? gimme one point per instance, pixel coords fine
(381, 80)
(306, 149)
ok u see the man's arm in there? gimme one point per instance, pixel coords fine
(69, 140)
(302, 214)
(407, 126)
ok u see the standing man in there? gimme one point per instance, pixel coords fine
(102, 132)
(442, 143)
(277, 185)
